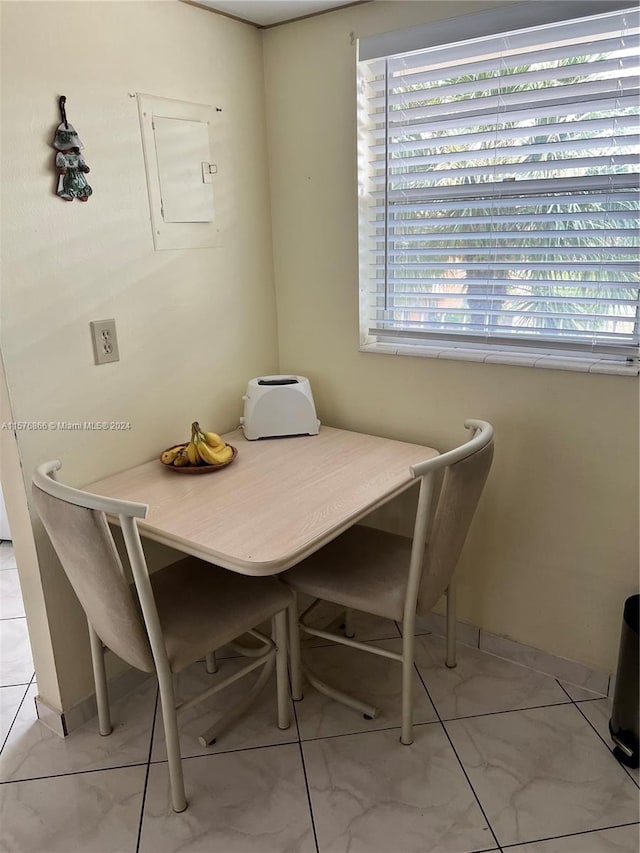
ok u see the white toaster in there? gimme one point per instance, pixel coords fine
(278, 406)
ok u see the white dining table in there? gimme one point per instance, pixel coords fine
(279, 501)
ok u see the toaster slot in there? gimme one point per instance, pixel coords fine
(284, 381)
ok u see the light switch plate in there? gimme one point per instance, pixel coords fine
(105, 341)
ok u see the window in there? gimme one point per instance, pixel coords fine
(499, 190)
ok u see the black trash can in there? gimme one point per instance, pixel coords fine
(624, 723)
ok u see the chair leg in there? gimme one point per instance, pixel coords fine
(408, 647)
(172, 741)
(294, 651)
(349, 630)
(211, 663)
(451, 661)
(232, 714)
(100, 681)
(282, 686)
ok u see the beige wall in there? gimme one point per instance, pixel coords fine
(554, 548)
(193, 326)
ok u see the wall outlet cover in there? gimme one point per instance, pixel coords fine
(105, 341)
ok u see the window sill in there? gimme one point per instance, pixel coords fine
(538, 358)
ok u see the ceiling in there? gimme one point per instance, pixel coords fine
(266, 13)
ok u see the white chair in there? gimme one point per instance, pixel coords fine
(394, 577)
(165, 621)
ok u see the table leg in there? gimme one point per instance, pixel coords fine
(369, 711)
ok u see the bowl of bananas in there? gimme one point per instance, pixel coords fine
(205, 452)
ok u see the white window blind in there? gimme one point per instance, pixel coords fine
(499, 189)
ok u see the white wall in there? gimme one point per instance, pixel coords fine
(553, 551)
(193, 326)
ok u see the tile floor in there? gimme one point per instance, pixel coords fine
(504, 759)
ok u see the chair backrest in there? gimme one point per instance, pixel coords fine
(466, 471)
(76, 524)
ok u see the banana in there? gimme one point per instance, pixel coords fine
(169, 455)
(221, 455)
(181, 458)
(192, 450)
(213, 440)
(206, 453)
(210, 438)
(192, 454)
(210, 448)
(224, 454)
(214, 457)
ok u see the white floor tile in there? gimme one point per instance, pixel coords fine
(16, 663)
(257, 727)
(436, 623)
(10, 699)
(538, 773)
(241, 802)
(370, 794)
(623, 839)
(84, 813)
(11, 605)
(543, 772)
(370, 678)
(7, 556)
(579, 693)
(481, 683)
(32, 750)
(598, 712)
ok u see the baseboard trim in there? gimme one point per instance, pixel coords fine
(65, 722)
(595, 681)
(564, 669)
